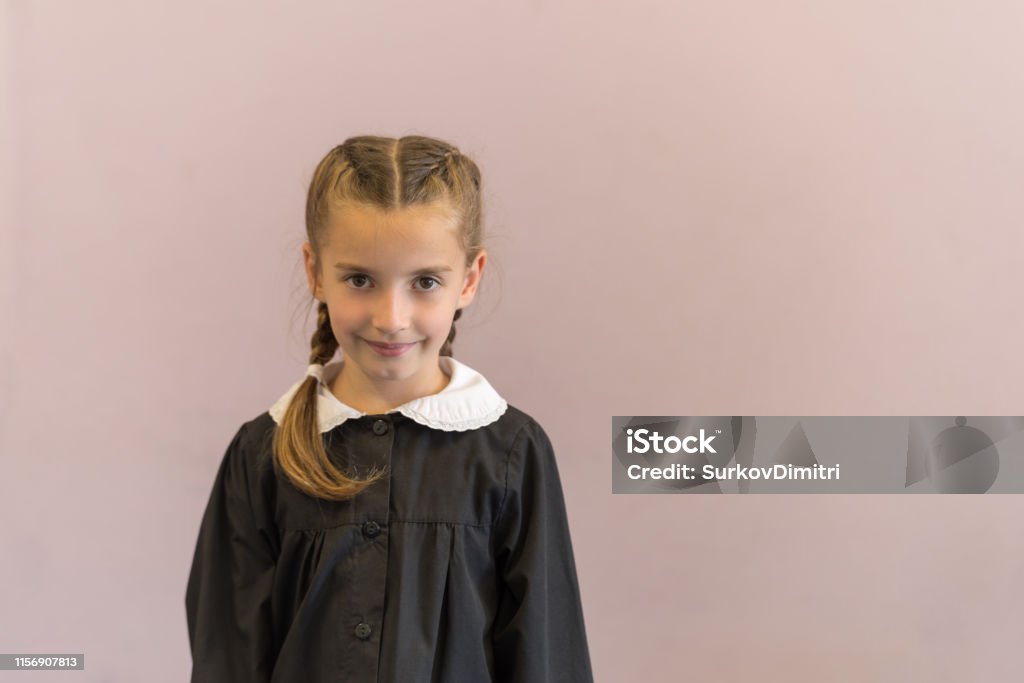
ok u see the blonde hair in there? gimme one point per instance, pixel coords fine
(389, 174)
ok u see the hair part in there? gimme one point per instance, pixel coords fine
(391, 175)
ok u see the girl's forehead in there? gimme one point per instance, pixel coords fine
(368, 236)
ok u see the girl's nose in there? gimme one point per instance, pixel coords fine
(391, 314)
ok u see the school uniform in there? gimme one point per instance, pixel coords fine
(457, 567)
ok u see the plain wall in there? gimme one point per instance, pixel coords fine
(694, 208)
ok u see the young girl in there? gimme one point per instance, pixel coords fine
(391, 518)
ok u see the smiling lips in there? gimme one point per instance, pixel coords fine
(390, 349)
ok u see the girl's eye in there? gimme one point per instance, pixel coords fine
(428, 281)
(353, 278)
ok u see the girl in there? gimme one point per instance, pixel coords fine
(391, 518)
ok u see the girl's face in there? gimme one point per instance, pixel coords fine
(393, 278)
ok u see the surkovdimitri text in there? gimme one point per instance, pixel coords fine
(710, 472)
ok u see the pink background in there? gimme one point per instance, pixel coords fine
(711, 207)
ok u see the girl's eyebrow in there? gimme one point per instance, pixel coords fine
(421, 271)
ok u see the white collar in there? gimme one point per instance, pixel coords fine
(468, 402)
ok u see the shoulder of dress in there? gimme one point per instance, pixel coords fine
(259, 427)
(522, 419)
(515, 427)
(255, 441)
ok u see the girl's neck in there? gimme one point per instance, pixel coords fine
(354, 389)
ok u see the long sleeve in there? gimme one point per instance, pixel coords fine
(227, 600)
(539, 634)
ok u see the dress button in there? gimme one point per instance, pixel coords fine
(371, 529)
(380, 427)
(363, 631)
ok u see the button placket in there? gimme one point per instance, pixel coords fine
(371, 445)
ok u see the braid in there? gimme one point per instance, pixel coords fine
(443, 164)
(446, 348)
(323, 344)
(298, 446)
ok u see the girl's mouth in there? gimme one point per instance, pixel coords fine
(390, 349)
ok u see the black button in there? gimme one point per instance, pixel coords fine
(380, 427)
(371, 529)
(363, 631)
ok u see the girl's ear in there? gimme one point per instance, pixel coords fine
(473, 275)
(312, 277)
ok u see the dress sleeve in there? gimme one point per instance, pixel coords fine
(227, 601)
(539, 634)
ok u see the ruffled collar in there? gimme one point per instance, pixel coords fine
(468, 402)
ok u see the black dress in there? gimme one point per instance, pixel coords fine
(458, 567)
